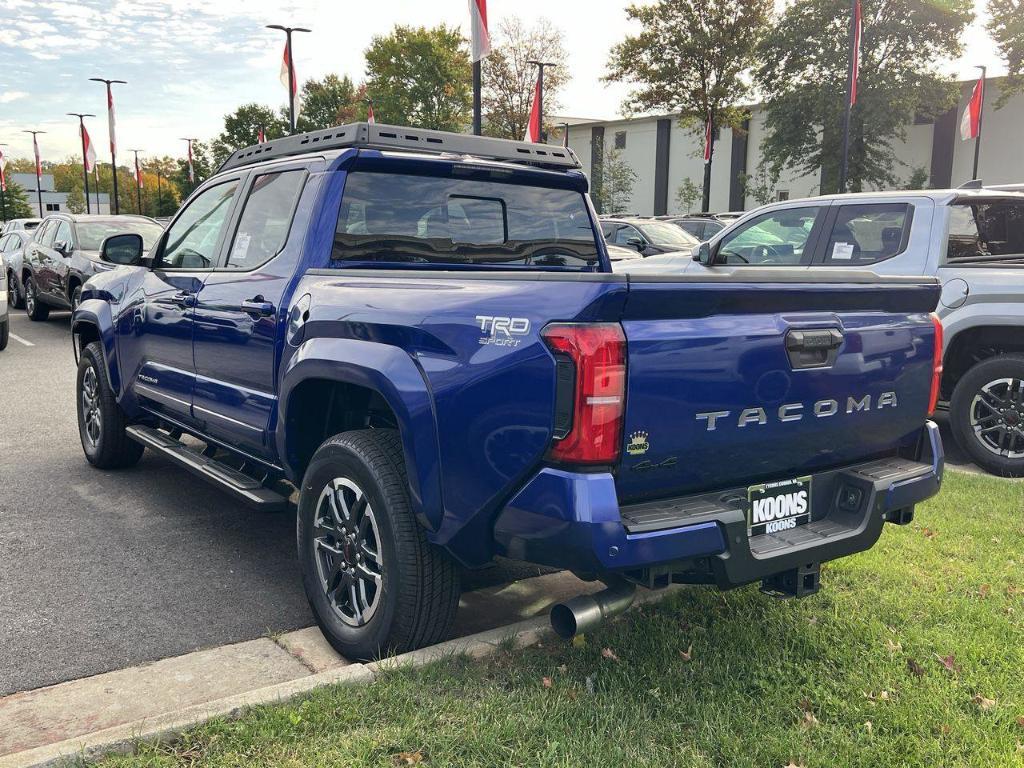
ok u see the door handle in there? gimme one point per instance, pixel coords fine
(183, 299)
(257, 306)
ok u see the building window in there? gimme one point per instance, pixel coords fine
(53, 206)
(782, 195)
(620, 139)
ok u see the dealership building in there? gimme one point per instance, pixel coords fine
(53, 201)
(664, 155)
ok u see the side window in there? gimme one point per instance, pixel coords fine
(625, 234)
(608, 230)
(264, 224)
(6, 243)
(865, 234)
(63, 234)
(48, 230)
(191, 241)
(772, 239)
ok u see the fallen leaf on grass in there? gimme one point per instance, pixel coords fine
(1020, 721)
(808, 720)
(915, 669)
(983, 703)
(984, 589)
(949, 662)
(880, 696)
(791, 764)
(608, 653)
(929, 533)
(868, 727)
(687, 655)
(408, 758)
(546, 682)
(893, 647)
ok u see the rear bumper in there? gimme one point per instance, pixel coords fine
(573, 520)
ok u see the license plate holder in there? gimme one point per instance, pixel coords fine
(778, 506)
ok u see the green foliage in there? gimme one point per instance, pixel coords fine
(16, 202)
(760, 185)
(1006, 26)
(331, 101)
(76, 200)
(688, 194)
(241, 128)
(202, 164)
(804, 72)
(420, 77)
(613, 186)
(918, 178)
(508, 78)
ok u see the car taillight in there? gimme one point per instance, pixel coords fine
(933, 399)
(591, 392)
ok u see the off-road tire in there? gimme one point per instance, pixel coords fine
(34, 308)
(112, 449)
(420, 582)
(967, 388)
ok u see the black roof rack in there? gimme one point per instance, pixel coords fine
(391, 137)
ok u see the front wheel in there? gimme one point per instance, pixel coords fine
(987, 414)
(101, 424)
(374, 582)
(34, 308)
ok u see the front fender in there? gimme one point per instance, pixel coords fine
(96, 313)
(395, 376)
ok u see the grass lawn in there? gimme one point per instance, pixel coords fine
(911, 655)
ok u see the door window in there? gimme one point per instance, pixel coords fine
(772, 239)
(63, 233)
(6, 244)
(868, 233)
(625, 234)
(263, 227)
(46, 233)
(191, 241)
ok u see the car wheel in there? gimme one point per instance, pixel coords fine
(13, 299)
(34, 308)
(5, 333)
(101, 423)
(987, 414)
(374, 582)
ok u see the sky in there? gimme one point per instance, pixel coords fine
(190, 62)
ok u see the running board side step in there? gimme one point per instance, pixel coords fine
(246, 489)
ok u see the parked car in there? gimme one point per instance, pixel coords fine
(20, 225)
(64, 253)
(971, 239)
(5, 321)
(701, 227)
(646, 236)
(442, 371)
(12, 247)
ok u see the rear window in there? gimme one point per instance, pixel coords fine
(428, 220)
(865, 234)
(985, 230)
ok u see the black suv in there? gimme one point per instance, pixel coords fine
(648, 237)
(65, 253)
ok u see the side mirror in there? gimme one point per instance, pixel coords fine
(635, 242)
(702, 254)
(63, 247)
(124, 249)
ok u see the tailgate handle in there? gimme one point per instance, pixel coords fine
(816, 348)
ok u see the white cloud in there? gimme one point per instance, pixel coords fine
(8, 96)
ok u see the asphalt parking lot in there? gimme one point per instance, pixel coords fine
(103, 570)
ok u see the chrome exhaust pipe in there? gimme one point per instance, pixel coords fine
(587, 611)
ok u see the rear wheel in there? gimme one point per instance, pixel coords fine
(374, 582)
(34, 308)
(987, 414)
(5, 333)
(13, 299)
(101, 424)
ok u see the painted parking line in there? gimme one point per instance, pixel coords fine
(20, 340)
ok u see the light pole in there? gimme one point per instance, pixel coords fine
(113, 140)
(293, 87)
(159, 193)
(540, 94)
(3, 187)
(981, 113)
(39, 169)
(85, 159)
(138, 179)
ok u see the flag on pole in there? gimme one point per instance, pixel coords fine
(533, 124)
(290, 79)
(707, 139)
(90, 150)
(39, 162)
(138, 173)
(480, 36)
(111, 120)
(369, 112)
(970, 123)
(261, 138)
(857, 24)
(191, 169)
(3, 171)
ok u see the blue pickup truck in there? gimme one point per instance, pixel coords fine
(421, 334)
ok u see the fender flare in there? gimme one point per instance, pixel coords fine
(96, 313)
(394, 375)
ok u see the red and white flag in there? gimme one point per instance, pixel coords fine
(707, 139)
(138, 173)
(480, 36)
(369, 112)
(39, 162)
(90, 150)
(3, 171)
(533, 124)
(289, 79)
(855, 61)
(191, 169)
(970, 123)
(261, 138)
(111, 120)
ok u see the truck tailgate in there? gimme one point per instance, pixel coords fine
(769, 373)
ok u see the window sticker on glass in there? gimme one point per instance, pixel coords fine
(241, 246)
(842, 251)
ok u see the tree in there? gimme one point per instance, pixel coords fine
(613, 186)
(421, 77)
(241, 128)
(329, 102)
(202, 164)
(1006, 26)
(804, 73)
(691, 57)
(509, 78)
(918, 178)
(761, 184)
(687, 194)
(76, 200)
(16, 203)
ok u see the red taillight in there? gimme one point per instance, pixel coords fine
(598, 354)
(933, 399)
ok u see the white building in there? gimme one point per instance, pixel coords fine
(663, 154)
(54, 201)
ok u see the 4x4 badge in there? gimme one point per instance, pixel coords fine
(637, 445)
